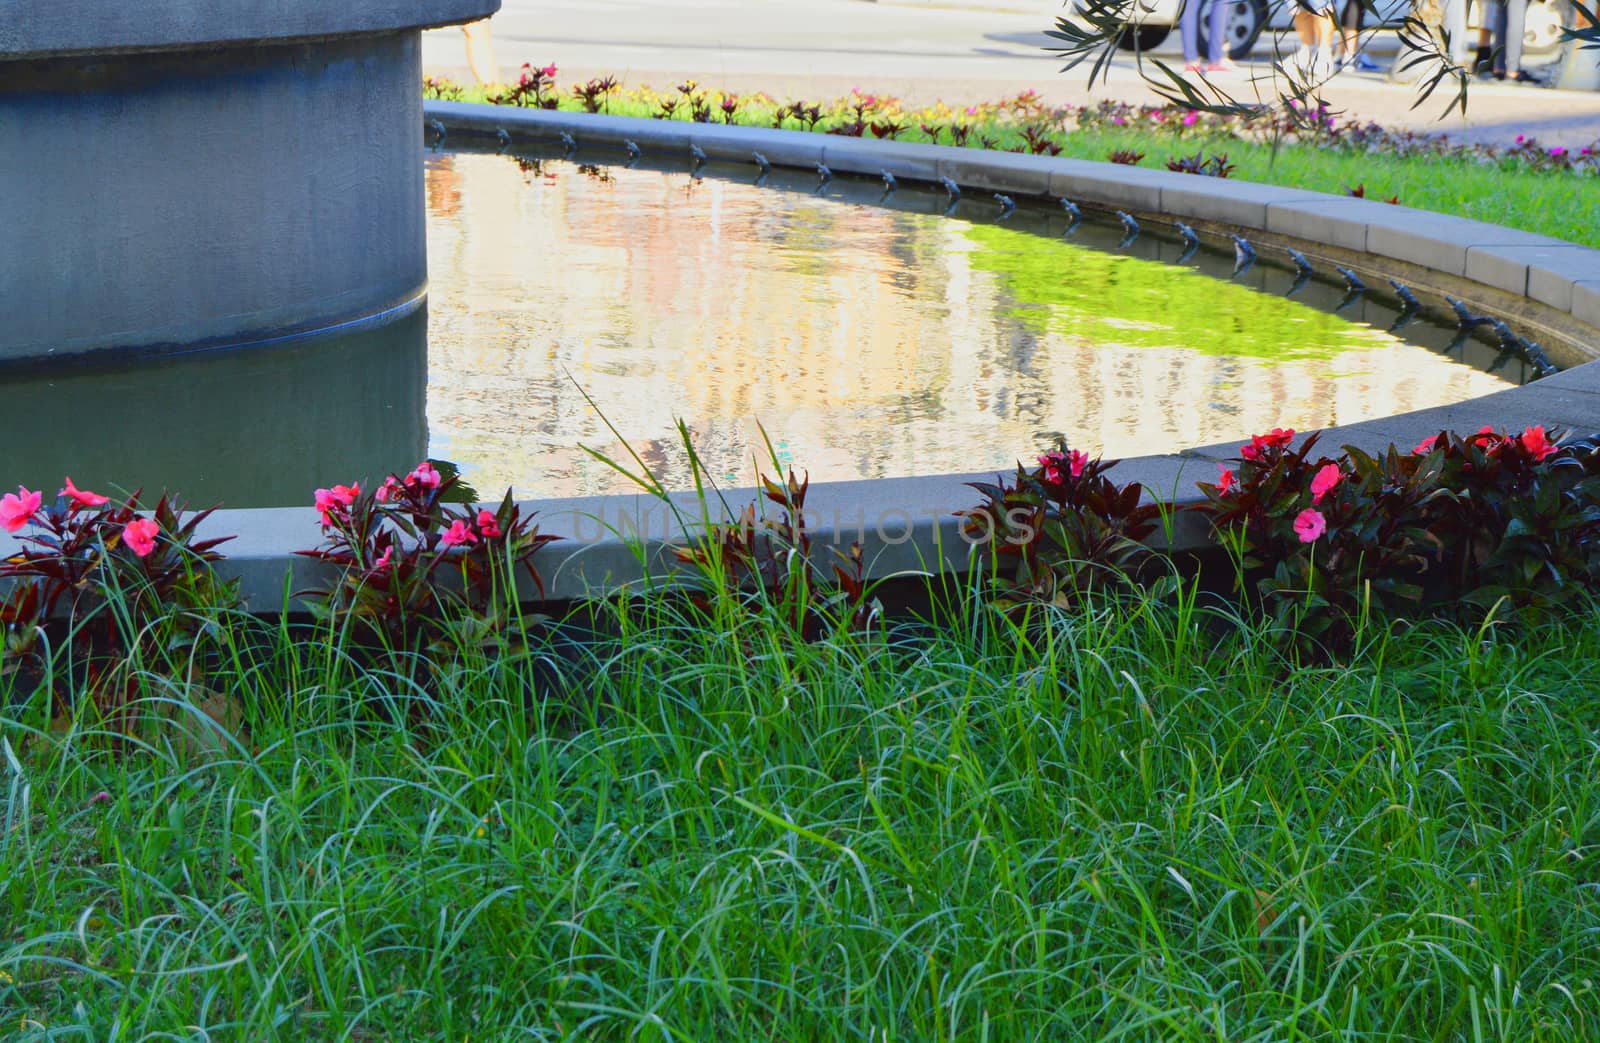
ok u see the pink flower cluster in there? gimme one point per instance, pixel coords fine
(460, 533)
(1277, 438)
(21, 507)
(423, 476)
(1534, 441)
(1053, 462)
(334, 504)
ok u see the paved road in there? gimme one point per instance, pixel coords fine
(922, 52)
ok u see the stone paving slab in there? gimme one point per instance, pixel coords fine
(903, 159)
(1441, 241)
(1513, 268)
(1330, 220)
(1108, 185)
(1586, 301)
(1242, 203)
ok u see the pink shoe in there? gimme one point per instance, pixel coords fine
(1194, 67)
(1223, 66)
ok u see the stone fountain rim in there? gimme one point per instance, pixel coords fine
(50, 29)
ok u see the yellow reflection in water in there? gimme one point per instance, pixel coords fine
(868, 342)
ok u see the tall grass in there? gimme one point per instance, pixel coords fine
(1128, 821)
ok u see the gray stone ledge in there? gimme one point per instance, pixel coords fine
(1331, 220)
(1544, 272)
(1586, 301)
(50, 28)
(908, 524)
(1441, 241)
(1110, 186)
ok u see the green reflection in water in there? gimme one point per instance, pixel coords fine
(1077, 291)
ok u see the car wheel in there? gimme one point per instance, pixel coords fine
(1145, 39)
(1543, 31)
(1246, 19)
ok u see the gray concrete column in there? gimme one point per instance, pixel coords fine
(177, 177)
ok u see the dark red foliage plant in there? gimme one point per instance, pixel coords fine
(416, 572)
(1457, 525)
(1069, 529)
(592, 95)
(762, 563)
(110, 584)
(1216, 165)
(535, 89)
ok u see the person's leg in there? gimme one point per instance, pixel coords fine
(1516, 26)
(480, 52)
(1326, 31)
(1219, 32)
(1189, 30)
(1454, 25)
(1489, 13)
(1307, 61)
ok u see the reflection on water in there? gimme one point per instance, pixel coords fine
(867, 341)
(259, 427)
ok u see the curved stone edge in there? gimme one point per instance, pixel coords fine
(48, 29)
(909, 525)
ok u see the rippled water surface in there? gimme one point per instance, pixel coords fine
(867, 341)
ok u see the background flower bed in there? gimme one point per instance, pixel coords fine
(1532, 187)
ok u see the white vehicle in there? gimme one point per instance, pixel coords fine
(1149, 22)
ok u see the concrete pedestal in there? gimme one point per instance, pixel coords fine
(179, 176)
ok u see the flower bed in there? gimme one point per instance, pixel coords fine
(1525, 185)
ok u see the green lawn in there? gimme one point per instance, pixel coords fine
(1120, 824)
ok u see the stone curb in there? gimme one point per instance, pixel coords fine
(908, 525)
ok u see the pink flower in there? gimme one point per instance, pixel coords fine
(1190, 119)
(1278, 436)
(1558, 152)
(383, 563)
(424, 475)
(1309, 524)
(1425, 446)
(457, 534)
(17, 509)
(82, 497)
(100, 798)
(1053, 460)
(1324, 481)
(387, 489)
(549, 72)
(1224, 480)
(488, 524)
(1535, 442)
(140, 536)
(335, 500)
